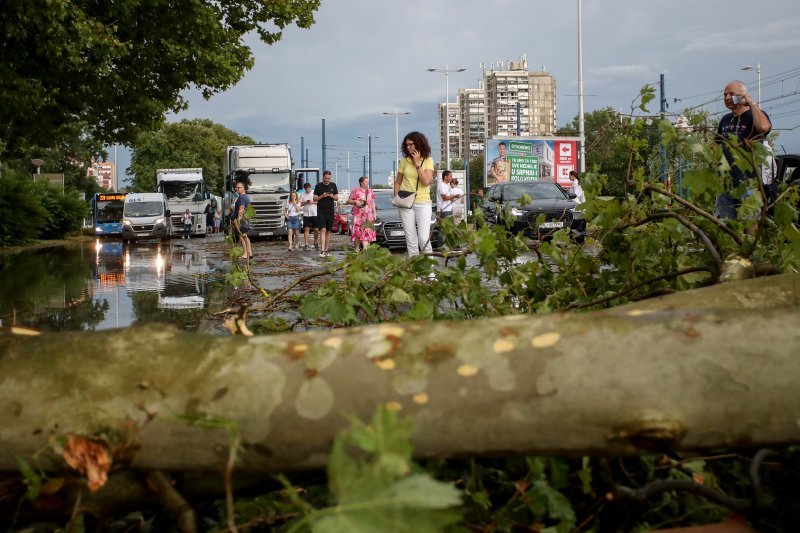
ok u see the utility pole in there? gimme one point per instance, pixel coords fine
(663, 148)
(324, 160)
(581, 125)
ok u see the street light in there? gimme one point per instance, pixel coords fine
(369, 140)
(581, 123)
(446, 71)
(396, 135)
(757, 68)
(37, 163)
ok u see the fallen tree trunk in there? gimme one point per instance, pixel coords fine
(609, 382)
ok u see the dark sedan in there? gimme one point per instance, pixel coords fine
(389, 229)
(548, 209)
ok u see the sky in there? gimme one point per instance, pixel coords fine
(363, 58)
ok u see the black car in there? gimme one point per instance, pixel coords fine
(389, 229)
(545, 198)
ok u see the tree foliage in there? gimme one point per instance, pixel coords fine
(185, 144)
(119, 67)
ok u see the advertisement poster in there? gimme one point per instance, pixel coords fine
(531, 158)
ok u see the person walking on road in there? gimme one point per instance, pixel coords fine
(309, 216)
(364, 214)
(326, 194)
(415, 173)
(187, 224)
(292, 211)
(241, 225)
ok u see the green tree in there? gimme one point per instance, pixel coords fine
(119, 67)
(604, 150)
(185, 144)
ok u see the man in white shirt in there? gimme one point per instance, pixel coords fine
(444, 195)
(309, 216)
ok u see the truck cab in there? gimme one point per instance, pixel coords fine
(266, 171)
(145, 215)
(185, 189)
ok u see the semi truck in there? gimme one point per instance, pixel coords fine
(185, 189)
(266, 171)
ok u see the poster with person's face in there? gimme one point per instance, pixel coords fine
(530, 159)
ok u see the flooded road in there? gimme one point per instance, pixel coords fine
(103, 284)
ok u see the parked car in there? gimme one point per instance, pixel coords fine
(341, 220)
(545, 198)
(389, 229)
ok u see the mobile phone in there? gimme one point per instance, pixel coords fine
(736, 99)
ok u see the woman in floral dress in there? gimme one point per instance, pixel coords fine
(363, 201)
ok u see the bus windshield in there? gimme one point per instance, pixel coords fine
(108, 211)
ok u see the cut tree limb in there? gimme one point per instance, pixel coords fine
(714, 367)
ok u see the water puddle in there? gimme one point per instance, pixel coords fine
(104, 284)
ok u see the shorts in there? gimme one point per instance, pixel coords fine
(310, 222)
(294, 223)
(325, 219)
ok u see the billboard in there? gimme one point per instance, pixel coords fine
(530, 159)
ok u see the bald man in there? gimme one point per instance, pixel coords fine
(748, 124)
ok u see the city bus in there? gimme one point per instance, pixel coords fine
(107, 214)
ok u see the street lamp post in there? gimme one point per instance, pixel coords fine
(369, 145)
(581, 124)
(446, 71)
(396, 136)
(758, 73)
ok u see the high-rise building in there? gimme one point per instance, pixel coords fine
(518, 102)
(509, 101)
(472, 112)
(454, 130)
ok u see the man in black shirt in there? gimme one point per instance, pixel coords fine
(749, 125)
(326, 194)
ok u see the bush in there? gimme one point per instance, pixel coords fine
(31, 211)
(21, 213)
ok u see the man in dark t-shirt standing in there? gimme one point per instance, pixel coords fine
(749, 125)
(326, 194)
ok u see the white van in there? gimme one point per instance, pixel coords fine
(145, 216)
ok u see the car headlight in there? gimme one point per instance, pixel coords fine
(159, 221)
(518, 212)
(126, 222)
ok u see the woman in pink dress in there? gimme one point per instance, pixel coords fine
(363, 201)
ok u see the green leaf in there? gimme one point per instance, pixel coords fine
(413, 504)
(33, 480)
(550, 503)
(703, 181)
(329, 307)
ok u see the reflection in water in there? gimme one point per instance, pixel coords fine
(106, 285)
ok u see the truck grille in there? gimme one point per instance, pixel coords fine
(269, 215)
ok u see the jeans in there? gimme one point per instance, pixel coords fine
(417, 227)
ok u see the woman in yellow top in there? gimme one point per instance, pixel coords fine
(416, 166)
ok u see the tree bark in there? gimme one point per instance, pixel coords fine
(715, 367)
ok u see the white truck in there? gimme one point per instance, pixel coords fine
(185, 189)
(266, 171)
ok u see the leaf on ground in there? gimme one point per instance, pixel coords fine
(90, 458)
(327, 307)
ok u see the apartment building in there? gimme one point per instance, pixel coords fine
(519, 102)
(453, 127)
(472, 114)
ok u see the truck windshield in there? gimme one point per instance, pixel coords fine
(143, 209)
(180, 190)
(269, 182)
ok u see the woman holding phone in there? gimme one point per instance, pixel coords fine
(415, 173)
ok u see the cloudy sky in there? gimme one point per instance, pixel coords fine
(366, 57)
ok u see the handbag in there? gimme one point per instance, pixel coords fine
(405, 199)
